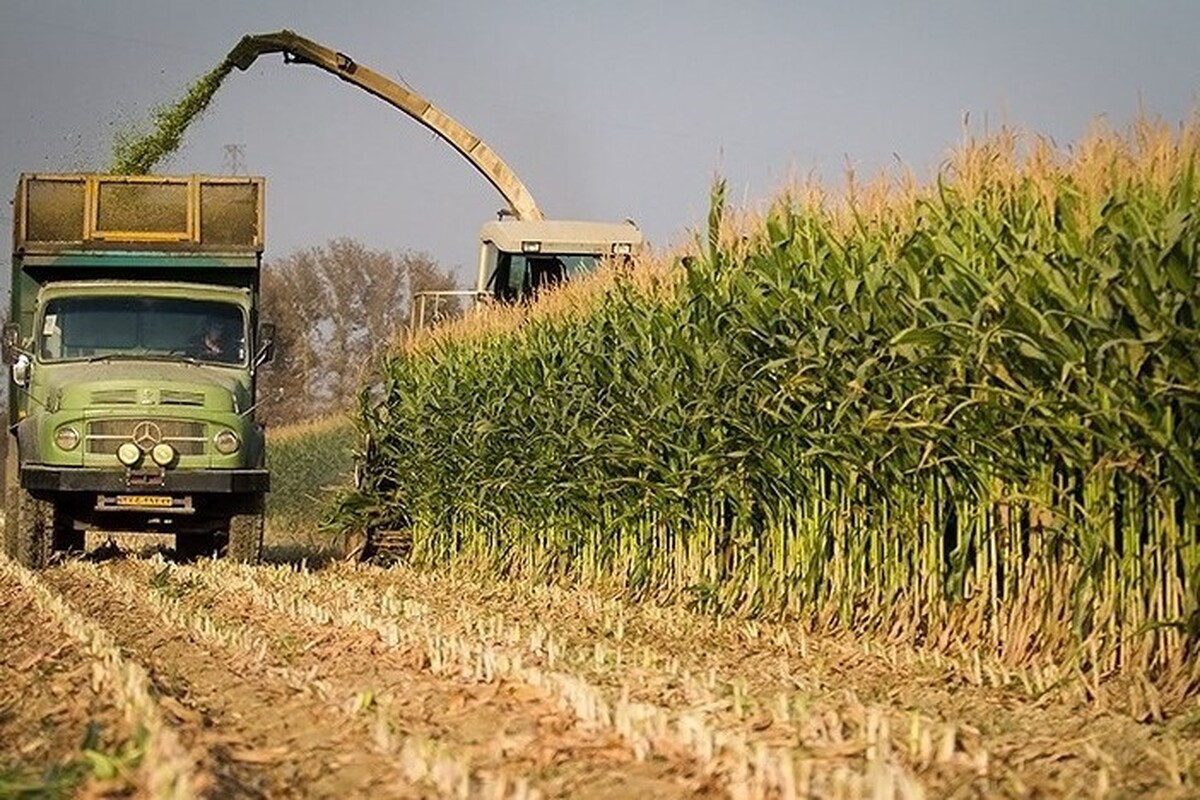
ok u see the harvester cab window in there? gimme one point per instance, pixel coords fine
(508, 278)
(100, 327)
(519, 276)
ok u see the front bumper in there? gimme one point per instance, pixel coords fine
(199, 481)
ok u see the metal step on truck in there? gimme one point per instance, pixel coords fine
(134, 346)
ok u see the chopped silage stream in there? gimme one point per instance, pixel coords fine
(138, 151)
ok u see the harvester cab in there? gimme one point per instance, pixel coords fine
(519, 258)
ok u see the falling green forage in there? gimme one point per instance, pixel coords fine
(137, 154)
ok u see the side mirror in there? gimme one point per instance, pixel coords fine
(266, 344)
(11, 342)
(21, 370)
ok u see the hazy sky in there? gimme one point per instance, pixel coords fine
(606, 109)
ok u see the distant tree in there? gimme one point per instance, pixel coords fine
(335, 307)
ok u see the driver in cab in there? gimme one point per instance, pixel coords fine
(214, 344)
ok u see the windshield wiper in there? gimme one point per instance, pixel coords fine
(112, 357)
(142, 357)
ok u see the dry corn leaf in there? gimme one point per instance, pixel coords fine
(261, 755)
(181, 712)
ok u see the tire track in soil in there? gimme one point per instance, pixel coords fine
(508, 736)
(254, 735)
(49, 694)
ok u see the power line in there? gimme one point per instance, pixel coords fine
(235, 159)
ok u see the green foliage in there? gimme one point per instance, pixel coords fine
(969, 413)
(307, 464)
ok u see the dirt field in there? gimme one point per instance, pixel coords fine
(218, 680)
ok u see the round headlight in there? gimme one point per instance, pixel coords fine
(129, 454)
(163, 454)
(227, 442)
(66, 437)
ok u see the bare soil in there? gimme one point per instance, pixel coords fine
(49, 704)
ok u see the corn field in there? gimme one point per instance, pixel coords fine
(958, 414)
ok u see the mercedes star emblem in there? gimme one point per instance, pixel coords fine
(146, 434)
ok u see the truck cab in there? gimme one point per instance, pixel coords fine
(134, 345)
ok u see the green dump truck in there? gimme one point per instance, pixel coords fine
(134, 345)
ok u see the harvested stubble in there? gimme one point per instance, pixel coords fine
(166, 770)
(475, 647)
(174, 602)
(963, 414)
(757, 706)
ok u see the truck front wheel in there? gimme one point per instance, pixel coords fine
(246, 536)
(11, 498)
(29, 528)
(28, 520)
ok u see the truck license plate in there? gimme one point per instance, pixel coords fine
(145, 500)
(174, 504)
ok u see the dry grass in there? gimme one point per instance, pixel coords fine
(309, 428)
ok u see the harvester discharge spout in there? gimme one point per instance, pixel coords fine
(299, 50)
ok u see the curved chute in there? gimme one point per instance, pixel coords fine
(297, 49)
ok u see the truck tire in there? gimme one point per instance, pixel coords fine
(245, 537)
(29, 522)
(32, 529)
(12, 497)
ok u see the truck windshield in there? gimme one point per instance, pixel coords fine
(99, 327)
(519, 276)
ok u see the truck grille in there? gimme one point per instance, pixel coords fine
(174, 397)
(104, 436)
(114, 397)
(129, 397)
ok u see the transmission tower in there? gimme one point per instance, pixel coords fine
(235, 159)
